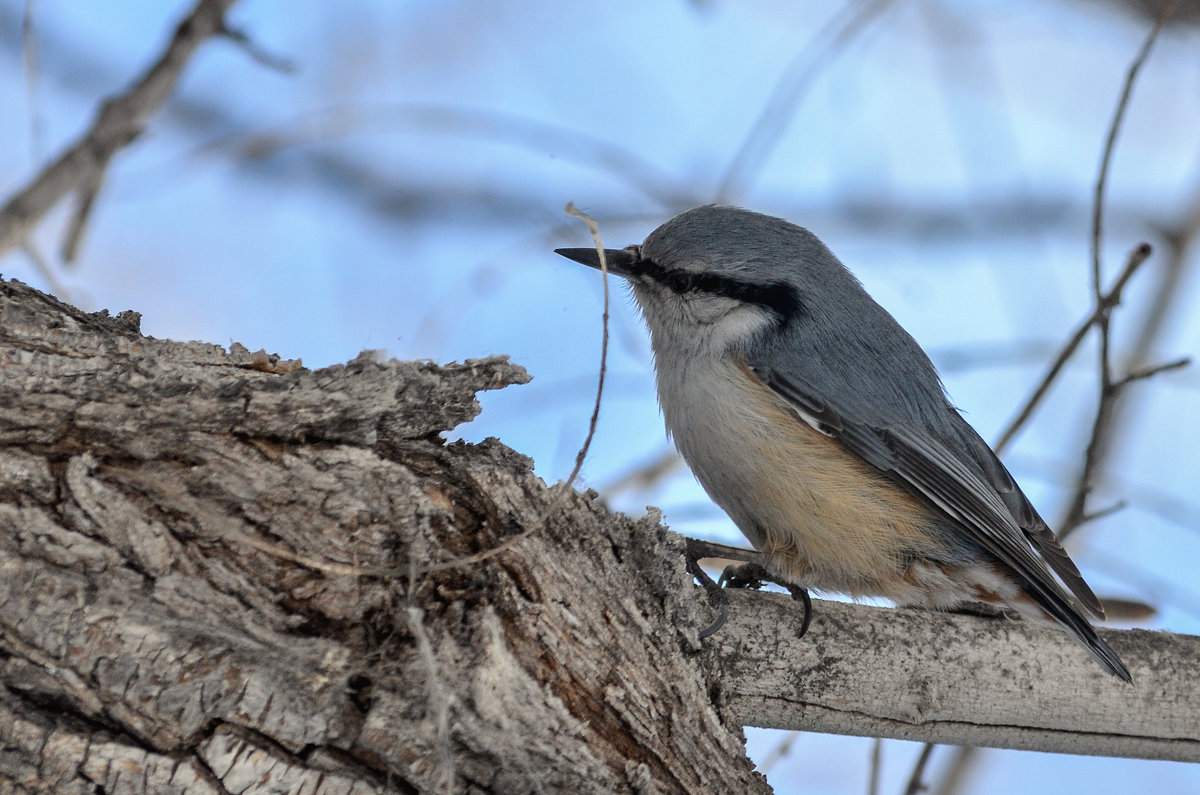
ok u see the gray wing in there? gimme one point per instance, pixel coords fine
(964, 481)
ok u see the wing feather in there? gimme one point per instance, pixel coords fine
(979, 495)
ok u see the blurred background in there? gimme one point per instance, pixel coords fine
(392, 175)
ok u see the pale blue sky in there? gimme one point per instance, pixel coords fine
(418, 159)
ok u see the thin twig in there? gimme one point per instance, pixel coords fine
(438, 697)
(261, 55)
(479, 557)
(1102, 422)
(587, 442)
(772, 121)
(1103, 303)
(1110, 388)
(31, 59)
(1149, 372)
(1110, 143)
(118, 122)
(1136, 257)
(1094, 516)
(876, 766)
(915, 781)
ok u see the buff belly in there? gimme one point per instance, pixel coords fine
(824, 518)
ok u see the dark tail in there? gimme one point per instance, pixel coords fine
(1066, 614)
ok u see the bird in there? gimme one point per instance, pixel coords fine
(823, 430)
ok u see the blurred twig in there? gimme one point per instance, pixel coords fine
(1110, 387)
(781, 749)
(769, 127)
(876, 766)
(645, 475)
(45, 271)
(915, 781)
(510, 128)
(1110, 299)
(962, 764)
(31, 60)
(1156, 587)
(119, 121)
(587, 442)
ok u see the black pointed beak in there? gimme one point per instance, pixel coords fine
(620, 262)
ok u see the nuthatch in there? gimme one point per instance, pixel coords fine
(820, 426)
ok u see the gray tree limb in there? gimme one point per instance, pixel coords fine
(954, 679)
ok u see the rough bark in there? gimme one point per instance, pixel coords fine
(220, 571)
(954, 679)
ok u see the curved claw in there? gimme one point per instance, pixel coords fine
(749, 574)
(801, 595)
(722, 615)
(716, 594)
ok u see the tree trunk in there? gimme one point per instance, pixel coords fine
(224, 572)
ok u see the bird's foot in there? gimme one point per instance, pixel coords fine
(750, 573)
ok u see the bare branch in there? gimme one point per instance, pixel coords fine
(885, 672)
(915, 781)
(119, 121)
(1110, 388)
(789, 90)
(1136, 257)
(1110, 143)
(1153, 370)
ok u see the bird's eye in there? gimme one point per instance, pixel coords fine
(679, 281)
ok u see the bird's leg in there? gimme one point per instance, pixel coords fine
(717, 598)
(750, 573)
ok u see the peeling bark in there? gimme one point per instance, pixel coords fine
(220, 571)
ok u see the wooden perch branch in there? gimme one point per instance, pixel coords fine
(960, 680)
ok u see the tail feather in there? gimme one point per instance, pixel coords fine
(1068, 617)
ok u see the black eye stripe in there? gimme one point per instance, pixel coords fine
(780, 297)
